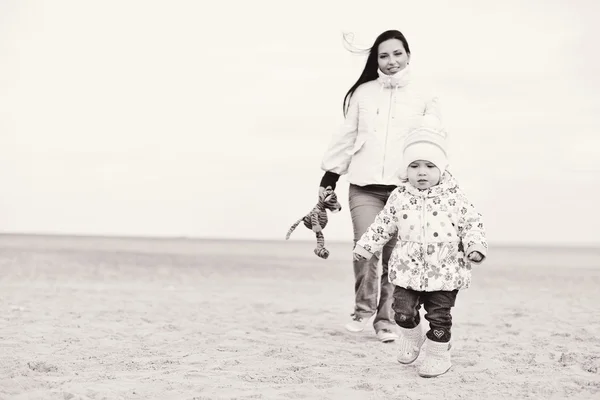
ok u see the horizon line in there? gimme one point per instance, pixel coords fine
(534, 245)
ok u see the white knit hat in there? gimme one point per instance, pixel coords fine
(425, 144)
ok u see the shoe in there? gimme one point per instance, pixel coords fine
(386, 335)
(411, 341)
(437, 359)
(358, 323)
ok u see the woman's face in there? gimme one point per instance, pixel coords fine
(391, 56)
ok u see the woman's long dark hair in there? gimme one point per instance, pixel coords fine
(370, 71)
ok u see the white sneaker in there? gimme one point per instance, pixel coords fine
(386, 335)
(437, 359)
(358, 323)
(410, 342)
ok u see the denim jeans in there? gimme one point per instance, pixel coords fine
(365, 202)
(407, 304)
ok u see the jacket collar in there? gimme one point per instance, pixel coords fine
(399, 79)
(447, 182)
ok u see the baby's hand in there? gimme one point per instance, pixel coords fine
(475, 256)
(358, 257)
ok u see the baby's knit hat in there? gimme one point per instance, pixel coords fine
(427, 144)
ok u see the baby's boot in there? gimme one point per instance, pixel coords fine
(410, 343)
(437, 359)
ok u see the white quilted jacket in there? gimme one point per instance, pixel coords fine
(368, 148)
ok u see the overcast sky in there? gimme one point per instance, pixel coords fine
(174, 118)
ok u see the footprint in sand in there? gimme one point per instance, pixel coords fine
(41, 366)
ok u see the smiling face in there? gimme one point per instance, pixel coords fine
(392, 57)
(423, 174)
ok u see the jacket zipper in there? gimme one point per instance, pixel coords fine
(424, 233)
(387, 129)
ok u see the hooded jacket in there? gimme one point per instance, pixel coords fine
(436, 230)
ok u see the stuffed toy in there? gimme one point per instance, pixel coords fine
(316, 219)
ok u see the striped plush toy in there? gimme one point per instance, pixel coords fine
(316, 219)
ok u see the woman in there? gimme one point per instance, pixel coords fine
(380, 109)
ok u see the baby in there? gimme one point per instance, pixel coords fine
(440, 235)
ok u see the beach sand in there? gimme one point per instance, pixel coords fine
(109, 318)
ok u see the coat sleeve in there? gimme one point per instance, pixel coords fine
(338, 154)
(382, 230)
(471, 229)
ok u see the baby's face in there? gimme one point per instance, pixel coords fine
(423, 174)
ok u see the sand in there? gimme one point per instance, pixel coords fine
(107, 318)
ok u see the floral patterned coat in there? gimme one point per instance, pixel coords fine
(436, 230)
